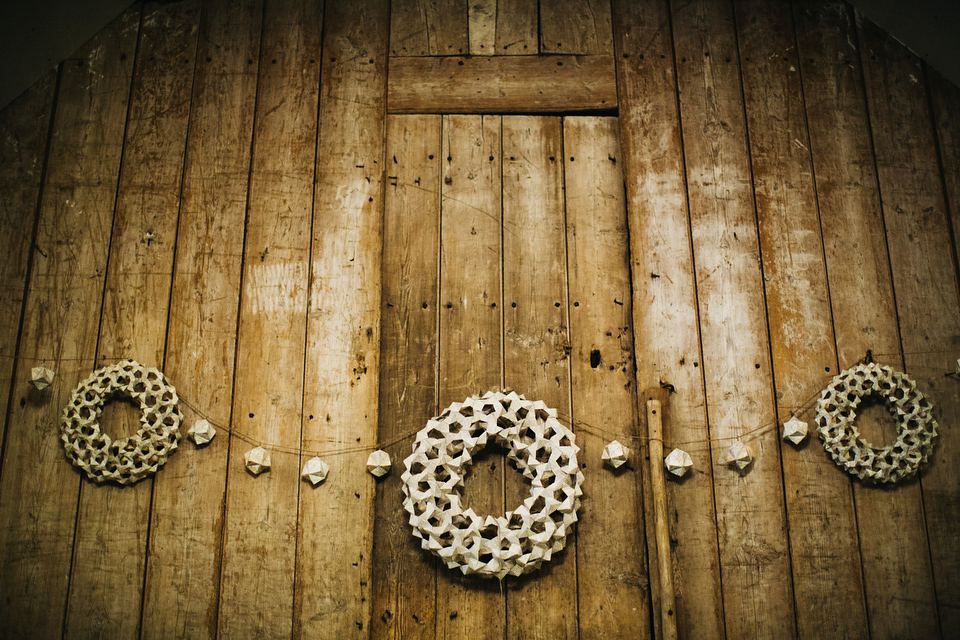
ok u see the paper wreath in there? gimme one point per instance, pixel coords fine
(541, 448)
(836, 413)
(132, 459)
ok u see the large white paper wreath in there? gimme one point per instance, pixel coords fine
(543, 450)
(836, 413)
(130, 459)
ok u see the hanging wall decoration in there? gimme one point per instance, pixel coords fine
(378, 463)
(315, 471)
(678, 462)
(127, 460)
(795, 430)
(739, 456)
(41, 377)
(615, 454)
(201, 432)
(541, 448)
(257, 460)
(837, 413)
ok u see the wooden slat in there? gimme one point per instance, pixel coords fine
(470, 343)
(502, 27)
(334, 547)
(39, 490)
(428, 28)
(828, 586)
(576, 26)
(754, 554)
(404, 576)
(665, 322)
(135, 308)
(892, 543)
(501, 84)
(183, 565)
(925, 282)
(945, 97)
(536, 362)
(259, 551)
(26, 126)
(611, 563)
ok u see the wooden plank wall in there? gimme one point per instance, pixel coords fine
(327, 221)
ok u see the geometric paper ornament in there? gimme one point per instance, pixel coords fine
(739, 455)
(257, 460)
(795, 430)
(378, 463)
(615, 454)
(315, 471)
(678, 462)
(41, 377)
(201, 432)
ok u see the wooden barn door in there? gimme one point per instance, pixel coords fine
(505, 264)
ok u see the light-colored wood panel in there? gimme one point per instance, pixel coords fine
(754, 554)
(26, 126)
(536, 340)
(334, 545)
(576, 27)
(39, 490)
(611, 563)
(428, 28)
(501, 84)
(404, 575)
(259, 552)
(665, 325)
(134, 318)
(825, 553)
(502, 27)
(470, 343)
(183, 563)
(925, 282)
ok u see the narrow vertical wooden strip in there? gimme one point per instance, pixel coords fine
(665, 325)
(134, 319)
(536, 362)
(754, 554)
(611, 558)
(428, 28)
(667, 613)
(183, 564)
(575, 27)
(518, 28)
(335, 540)
(470, 341)
(945, 98)
(925, 281)
(823, 526)
(259, 552)
(26, 126)
(482, 27)
(892, 542)
(39, 489)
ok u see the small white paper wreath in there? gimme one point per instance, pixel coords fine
(836, 413)
(132, 459)
(543, 450)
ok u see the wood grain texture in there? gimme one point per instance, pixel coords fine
(536, 340)
(754, 554)
(925, 282)
(611, 563)
(667, 596)
(828, 585)
(39, 489)
(259, 552)
(470, 343)
(335, 535)
(133, 323)
(503, 27)
(578, 27)
(428, 28)
(501, 84)
(404, 575)
(183, 567)
(945, 101)
(665, 323)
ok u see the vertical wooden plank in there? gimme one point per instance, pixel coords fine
(113, 521)
(39, 488)
(259, 552)
(503, 27)
(25, 124)
(404, 576)
(335, 536)
(665, 326)
(470, 343)
(828, 585)
(183, 563)
(925, 282)
(536, 362)
(945, 100)
(754, 555)
(611, 558)
(890, 522)
(576, 27)
(428, 28)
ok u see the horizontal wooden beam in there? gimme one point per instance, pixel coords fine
(501, 84)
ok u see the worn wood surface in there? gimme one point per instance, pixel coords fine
(207, 187)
